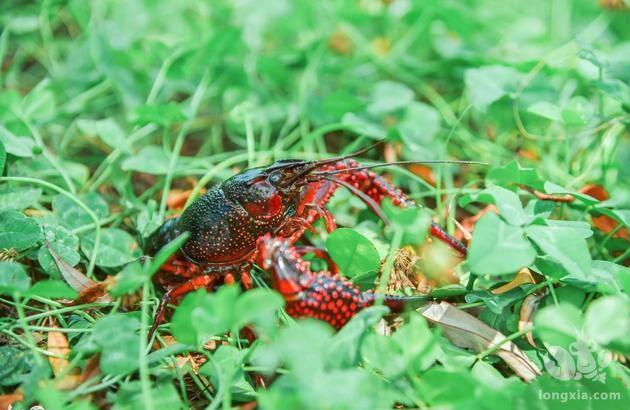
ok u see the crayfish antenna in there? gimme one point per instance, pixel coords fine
(389, 164)
(371, 203)
(398, 304)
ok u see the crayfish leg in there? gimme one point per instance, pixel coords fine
(198, 282)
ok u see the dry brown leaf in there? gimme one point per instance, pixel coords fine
(182, 361)
(602, 222)
(91, 369)
(341, 43)
(613, 4)
(381, 46)
(522, 277)
(527, 312)
(97, 292)
(58, 345)
(468, 332)
(75, 278)
(467, 225)
(423, 171)
(177, 198)
(7, 399)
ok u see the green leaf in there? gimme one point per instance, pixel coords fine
(578, 112)
(389, 96)
(129, 280)
(498, 248)
(15, 365)
(13, 278)
(65, 243)
(117, 247)
(352, 252)
(418, 345)
(130, 396)
(507, 202)
(53, 289)
(259, 307)
(151, 160)
(607, 321)
(39, 104)
(18, 231)
(226, 368)
(546, 110)
(419, 125)
(413, 221)
(558, 325)
(201, 315)
(566, 246)
(3, 157)
(362, 126)
(609, 277)
(107, 130)
(18, 146)
(18, 198)
(496, 303)
(346, 344)
(164, 114)
(485, 85)
(116, 335)
(73, 216)
(443, 388)
(511, 175)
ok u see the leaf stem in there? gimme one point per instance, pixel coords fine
(179, 142)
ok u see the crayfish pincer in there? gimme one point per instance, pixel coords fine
(258, 215)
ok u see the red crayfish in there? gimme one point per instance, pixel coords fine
(257, 215)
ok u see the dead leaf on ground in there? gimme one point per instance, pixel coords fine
(423, 171)
(177, 198)
(467, 225)
(185, 360)
(97, 292)
(522, 277)
(91, 369)
(468, 332)
(89, 290)
(527, 312)
(6, 400)
(58, 345)
(604, 223)
(341, 43)
(75, 278)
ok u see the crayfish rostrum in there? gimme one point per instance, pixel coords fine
(258, 215)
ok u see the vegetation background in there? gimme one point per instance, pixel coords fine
(111, 110)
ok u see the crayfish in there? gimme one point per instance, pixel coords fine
(258, 215)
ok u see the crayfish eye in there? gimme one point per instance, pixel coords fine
(275, 178)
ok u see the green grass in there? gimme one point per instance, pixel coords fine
(107, 106)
